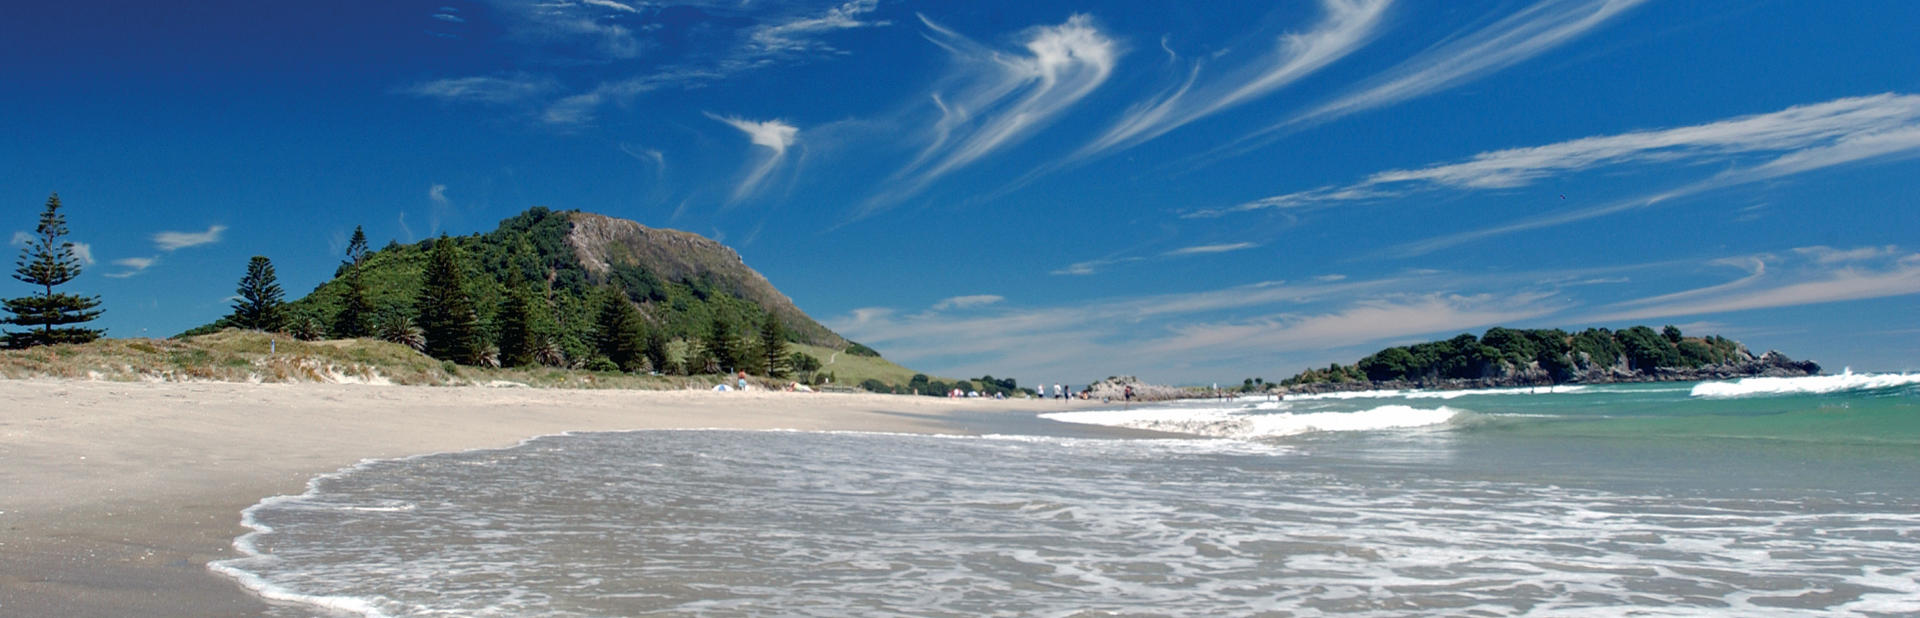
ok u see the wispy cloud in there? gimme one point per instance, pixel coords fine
(442, 207)
(170, 241)
(1814, 275)
(84, 253)
(799, 35)
(133, 266)
(449, 18)
(1528, 33)
(1364, 321)
(605, 32)
(966, 302)
(993, 98)
(1091, 267)
(1208, 249)
(584, 30)
(1896, 143)
(1346, 26)
(21, 239)
(483, 89)
(1802, 137)
(774, 135)
(1182, 334)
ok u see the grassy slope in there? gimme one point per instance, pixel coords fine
(250, 356)
(849, 370)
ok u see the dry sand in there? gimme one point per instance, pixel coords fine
(114, 496)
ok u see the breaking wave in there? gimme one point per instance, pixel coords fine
(1228, 424)
(1809, 385)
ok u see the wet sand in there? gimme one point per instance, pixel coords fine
(114, 496)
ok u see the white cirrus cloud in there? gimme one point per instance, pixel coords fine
(1815, 135)
(1525, 34)
(483, 89)
(170, 241)
(21, 239)
(1813, 277)
(801, 34)
(1209, 249)
(1346, 25)
(993, 98)
(965, 302)
(1866, 146)
(774, 135)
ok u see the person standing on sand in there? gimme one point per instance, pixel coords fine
(1057, 391)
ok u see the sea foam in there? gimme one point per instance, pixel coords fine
(1809, 385)
(1420, 394)
(1229, 424)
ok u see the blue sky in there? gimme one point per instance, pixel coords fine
(1053, 191)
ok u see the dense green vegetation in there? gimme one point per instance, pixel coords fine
(1557, 354)
(519, 296)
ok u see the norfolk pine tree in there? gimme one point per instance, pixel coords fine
(773, 345)
(721, 347)
(447, 315)
(619, 331)
(48, 261)
(258, 306)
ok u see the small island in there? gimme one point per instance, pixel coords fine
(1506, 357)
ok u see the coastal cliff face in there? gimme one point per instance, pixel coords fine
(1505, 375)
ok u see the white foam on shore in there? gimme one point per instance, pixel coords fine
(251, 555)
(1228, 424)
(1809, 385)
(1423, 394)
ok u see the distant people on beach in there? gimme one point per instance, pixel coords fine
(1059, 393)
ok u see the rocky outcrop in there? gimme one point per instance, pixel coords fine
(1769, 365)
(1115, 389)
(600, 242)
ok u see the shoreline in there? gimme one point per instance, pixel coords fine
(114, 496)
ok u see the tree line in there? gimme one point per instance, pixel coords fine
(1505, 350)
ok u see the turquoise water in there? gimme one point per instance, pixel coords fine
(1756, 499)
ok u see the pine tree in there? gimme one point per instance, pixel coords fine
(447, 315)
(48, 261)
(619, 331)
(773, 345)
(355, 318)
(722, 350)
(656, 349)
(258, 306)
(517, 337)
(357, 247)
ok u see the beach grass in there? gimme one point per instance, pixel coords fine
(253, 356)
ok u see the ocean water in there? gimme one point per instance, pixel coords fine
(1754, 498)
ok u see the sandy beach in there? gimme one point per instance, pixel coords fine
(114, 496)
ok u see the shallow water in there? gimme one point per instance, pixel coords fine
(1641, 500)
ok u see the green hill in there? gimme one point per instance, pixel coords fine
(680, 282)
